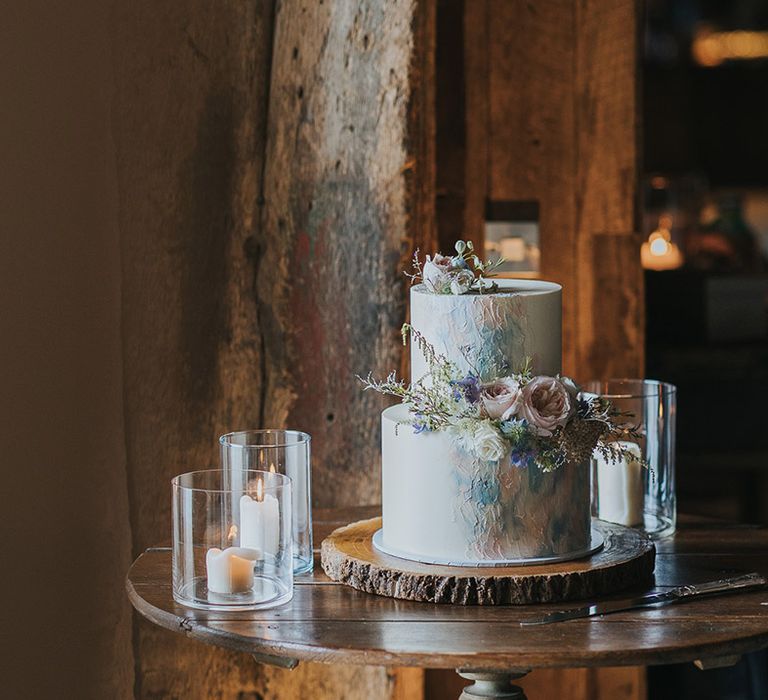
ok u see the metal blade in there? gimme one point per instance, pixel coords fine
(673, 595)
(644, 601)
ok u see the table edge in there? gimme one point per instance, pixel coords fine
(377, 657)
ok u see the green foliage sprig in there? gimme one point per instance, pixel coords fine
(447, 399)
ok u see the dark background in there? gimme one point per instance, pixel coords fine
(706, 137)
(705, 131)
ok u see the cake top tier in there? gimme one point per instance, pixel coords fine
(486, 332)
(503, 288)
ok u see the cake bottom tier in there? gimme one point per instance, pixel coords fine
(442, 505)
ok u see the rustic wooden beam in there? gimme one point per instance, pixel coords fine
(532, 132)
(275, 167)
(476, 77)
(610, 320)
(348, 195)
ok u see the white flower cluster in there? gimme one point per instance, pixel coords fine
(458, 274)
(481, 439)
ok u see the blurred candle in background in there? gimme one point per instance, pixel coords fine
(620, 490)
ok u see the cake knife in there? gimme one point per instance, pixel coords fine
(674, 595)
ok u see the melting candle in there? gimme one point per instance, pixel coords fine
(260, 521)
(230, 570)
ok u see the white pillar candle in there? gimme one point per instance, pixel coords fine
(230, 570)
(620, 487)
(260, 523)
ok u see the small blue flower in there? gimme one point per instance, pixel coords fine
(467, 389)
(514, 426)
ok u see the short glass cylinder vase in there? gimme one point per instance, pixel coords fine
(232, 544)
(284, 452)
(624, 491)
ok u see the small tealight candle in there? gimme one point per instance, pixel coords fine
(620, 487)
(260, 521)
(230, 570)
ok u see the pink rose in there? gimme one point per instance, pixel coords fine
(501, 398)
(435, 270)
(546, 404)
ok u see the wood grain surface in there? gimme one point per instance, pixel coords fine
(327, 621)
(189, 126)
(349, 557)
(552, 113)
(273, 164)
(346, 190)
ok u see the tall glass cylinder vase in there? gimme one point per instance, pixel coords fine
(284, 452)
(625, 492)
(232, 543)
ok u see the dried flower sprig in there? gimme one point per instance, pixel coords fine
(536, 421)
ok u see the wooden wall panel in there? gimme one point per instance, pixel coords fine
(344, 206)
(609, 280)
(274, 172)
(477, 118)
(532, 132)
(552, 115)
(563, 130)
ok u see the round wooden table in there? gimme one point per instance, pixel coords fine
(330, 622)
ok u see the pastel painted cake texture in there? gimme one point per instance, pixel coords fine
(486, 458)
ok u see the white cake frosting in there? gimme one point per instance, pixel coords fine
(523, 319)
(439, 503)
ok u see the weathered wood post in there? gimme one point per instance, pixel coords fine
(274, 164)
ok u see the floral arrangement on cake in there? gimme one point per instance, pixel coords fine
(536, 421)
(458, 274)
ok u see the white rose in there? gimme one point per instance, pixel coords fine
(461, 281)
(486, 443)
(574, 391)
(501, 399)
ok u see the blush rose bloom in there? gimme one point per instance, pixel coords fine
(501, 398)
(435, 270)
(546, 404)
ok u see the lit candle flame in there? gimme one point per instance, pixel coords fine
(232, 533)
(259, 490)
(659, 252)
(272, 468)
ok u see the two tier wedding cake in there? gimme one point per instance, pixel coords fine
(486, 460)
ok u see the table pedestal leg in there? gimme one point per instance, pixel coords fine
(496, 685)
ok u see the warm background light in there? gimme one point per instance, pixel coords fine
(711, 48)
(658, 252)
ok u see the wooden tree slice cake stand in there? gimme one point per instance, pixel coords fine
(626, 560)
